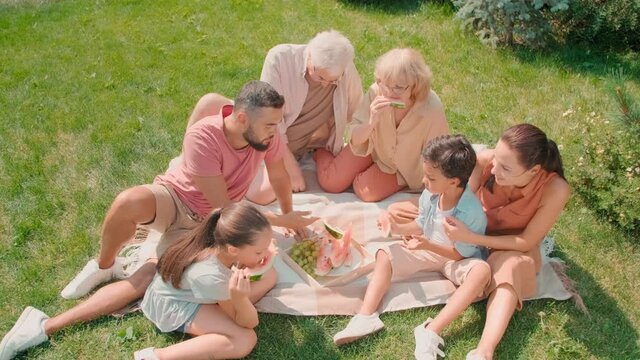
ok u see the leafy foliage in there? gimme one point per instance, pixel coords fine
(507, 22)
(608, 23)
(608, 174)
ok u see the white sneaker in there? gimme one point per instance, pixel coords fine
(145, 354)
(90, 277)
(359, 326)
(27, 332)
(427, 343)
(472, 355)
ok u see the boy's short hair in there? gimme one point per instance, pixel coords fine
(453, 155)
(257, 94)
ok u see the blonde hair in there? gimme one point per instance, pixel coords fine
(331, 51)
(405, 66)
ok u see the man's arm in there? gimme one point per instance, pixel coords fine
(214, 189)
(295, 220)
(280, 182)
(296, 178)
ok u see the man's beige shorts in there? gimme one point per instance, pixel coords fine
(405, 262)
(173, 218)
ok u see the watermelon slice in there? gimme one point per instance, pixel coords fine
(323, 263)
(398, 104)
(255, 273)
(333, 231)
(341, 248)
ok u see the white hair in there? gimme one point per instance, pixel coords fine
(331, 51)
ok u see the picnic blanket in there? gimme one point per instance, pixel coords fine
(292, 295)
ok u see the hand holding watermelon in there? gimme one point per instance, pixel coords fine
(239, 284)
(255, 273)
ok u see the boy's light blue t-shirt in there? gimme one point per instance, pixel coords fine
(468, 210)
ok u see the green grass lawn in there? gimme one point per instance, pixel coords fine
(94, 97)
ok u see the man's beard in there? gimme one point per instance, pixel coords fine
(251, 138)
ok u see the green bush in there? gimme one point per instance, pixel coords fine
(607, 23)
(507, 22)
(607, 175)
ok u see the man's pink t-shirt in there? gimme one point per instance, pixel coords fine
(206, 152)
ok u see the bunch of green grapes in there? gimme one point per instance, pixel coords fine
(305, 253)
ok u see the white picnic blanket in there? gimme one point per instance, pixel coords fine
(292, 295)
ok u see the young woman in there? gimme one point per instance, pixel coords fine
(396, 118)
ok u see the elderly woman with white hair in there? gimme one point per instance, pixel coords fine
(322, 90)
(397, 117)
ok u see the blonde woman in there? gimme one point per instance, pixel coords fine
(397, 117)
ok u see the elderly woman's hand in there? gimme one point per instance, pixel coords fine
(378, 106)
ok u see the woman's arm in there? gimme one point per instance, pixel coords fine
(483, 159)
(367, 115)
(555, 196)
(361, 127)
(360, 134)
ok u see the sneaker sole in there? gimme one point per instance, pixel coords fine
(350, 339)
(21, 319)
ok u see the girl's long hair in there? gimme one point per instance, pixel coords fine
(532, 148)
(236, 225)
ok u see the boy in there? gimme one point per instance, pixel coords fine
(448, 163)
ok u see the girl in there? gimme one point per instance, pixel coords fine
(399, 111)
(200, 288)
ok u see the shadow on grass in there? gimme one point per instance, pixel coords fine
(585, 60)
(392, 6)
(293, 337)
(607, 332)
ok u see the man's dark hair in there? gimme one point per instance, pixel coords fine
(453, 155)
(258, 94)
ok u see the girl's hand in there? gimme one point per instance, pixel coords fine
(456, 230)
(239, 285)
(415, 242)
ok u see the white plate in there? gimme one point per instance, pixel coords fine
(356, 259)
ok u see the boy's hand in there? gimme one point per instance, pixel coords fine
(386, 218)
(239, 284)
(415, 242)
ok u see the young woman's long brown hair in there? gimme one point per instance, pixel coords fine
(236, 225)
(532, 148)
